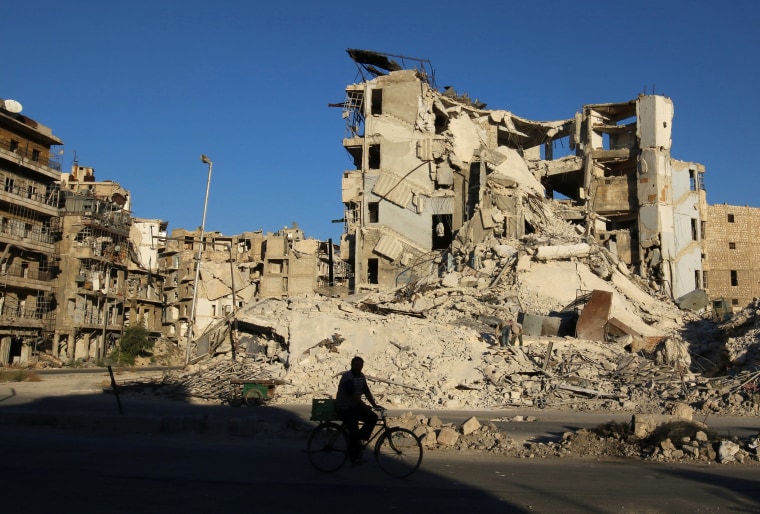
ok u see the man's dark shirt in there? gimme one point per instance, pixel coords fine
(349, 386)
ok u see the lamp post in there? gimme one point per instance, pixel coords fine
(233, 325)
(204, 160)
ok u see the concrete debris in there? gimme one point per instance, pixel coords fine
(666, 439)
(432, 344)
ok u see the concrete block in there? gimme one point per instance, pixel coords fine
(447, 437)
(470, 426)
(683, 411)
(428, 440)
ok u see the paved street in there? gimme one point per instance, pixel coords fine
(64, 445)
(47, 470)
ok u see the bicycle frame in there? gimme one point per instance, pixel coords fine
(380, 427)
(397, 450)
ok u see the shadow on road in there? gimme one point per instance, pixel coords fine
(206, 457)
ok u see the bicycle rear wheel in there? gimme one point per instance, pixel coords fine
(399, 452)
(328, 447)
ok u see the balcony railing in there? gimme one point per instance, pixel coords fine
(8, 312)
(24, 272)
(32, 193)
(19, 229)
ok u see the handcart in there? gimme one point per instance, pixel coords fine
(252, 392)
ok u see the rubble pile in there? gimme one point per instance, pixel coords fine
(743, 342)
(430, 346)
(672, 441)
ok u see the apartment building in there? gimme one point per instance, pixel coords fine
(29, 228)
(436, 172)
(93, 255)
(732, 270)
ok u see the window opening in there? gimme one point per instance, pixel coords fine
(441, 227)
(374, 157)
(694, 234)
(734, 278)
(373, 209)
(732, 245)
(377, 102)
(730, 218)
(372, 271)
(473, 191)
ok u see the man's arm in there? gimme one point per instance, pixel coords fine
(369, 396)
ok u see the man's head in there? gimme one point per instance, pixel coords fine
(357, 363)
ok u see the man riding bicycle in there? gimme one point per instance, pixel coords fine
(352, 409)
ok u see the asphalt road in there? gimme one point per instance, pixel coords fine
(54, 470)
(64, 446)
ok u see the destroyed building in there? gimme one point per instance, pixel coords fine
(94, 257)
(144, 299)
(29, 224)
(246, 266)
(438, 176)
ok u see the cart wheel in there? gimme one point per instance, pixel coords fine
(253, 398)
(235, 402)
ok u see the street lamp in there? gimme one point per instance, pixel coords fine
(204, 160)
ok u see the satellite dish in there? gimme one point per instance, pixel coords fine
(13, 106)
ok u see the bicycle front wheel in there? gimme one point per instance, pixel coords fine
(399, 452)
(328, 447)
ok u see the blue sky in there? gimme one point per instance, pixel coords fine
(139, 89)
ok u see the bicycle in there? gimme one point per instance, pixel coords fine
(397, 451)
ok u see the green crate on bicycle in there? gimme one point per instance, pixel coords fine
(323, 409)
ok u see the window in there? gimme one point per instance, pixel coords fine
(697, 276)
(374, 157)
(732, 245)
(9, 184)
(35, 155)
(734, 301)
(693, 180)
(704, 280)
(373, 209)
(372, 271)
(377, 102)
(730, 218)
(694, 234)
(441, 228)
(13, 146)
(734, 278)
